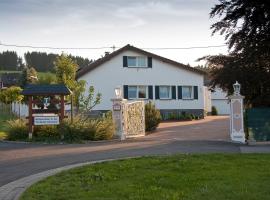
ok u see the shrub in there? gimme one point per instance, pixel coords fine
(189, 116)
(80, 129)
(214, 111)
(105, 129)
(17, 130)
(173, 116)
(152, 117)
(46, 133)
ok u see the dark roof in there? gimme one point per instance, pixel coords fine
(100, 61)
(53, 89)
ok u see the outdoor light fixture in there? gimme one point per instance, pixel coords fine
(236, 88)
(117, 91)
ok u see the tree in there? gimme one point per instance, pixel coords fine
(66, 69)
(11, 94)
(29, 76)
(89, 102)
(246, 26)
(9, 60)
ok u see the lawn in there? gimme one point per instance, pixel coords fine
(196, 177)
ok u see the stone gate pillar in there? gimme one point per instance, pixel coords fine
(118, 116)
(237, 133)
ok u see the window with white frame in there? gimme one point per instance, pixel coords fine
(164, 92)
(187, 92)
(132, 92)
(136, 61)
(137, 92)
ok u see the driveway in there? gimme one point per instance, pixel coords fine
(19, 160)
(215, 128)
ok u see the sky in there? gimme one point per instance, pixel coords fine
(107, 23)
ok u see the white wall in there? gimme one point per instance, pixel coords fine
(220, 101)
(112, 73)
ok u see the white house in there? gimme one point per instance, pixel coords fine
(172, 86)
(220, 101)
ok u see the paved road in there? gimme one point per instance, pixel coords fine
(19, 160)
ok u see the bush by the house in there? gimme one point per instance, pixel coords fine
(183, 116)
(152, 117)
(214, 111)
(80, 129)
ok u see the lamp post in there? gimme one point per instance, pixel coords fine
(236, 88)
(118, 92)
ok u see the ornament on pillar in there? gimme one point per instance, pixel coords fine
(237, 133)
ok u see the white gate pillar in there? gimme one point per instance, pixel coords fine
(118, 117)
(237, 133)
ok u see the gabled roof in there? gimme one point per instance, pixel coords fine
(100, 61)
(53, 89)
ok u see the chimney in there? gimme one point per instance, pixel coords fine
(107, 53)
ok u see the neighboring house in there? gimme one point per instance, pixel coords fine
(8, 79)
(220, 101)
(172, 86)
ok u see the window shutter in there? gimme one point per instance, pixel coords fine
(195, 89)
(157, 92)
(125, 91)
(149, 62)
(179, 88)
(173, 92)
(125, 61)
(150, 92)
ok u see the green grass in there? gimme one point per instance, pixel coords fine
(44, 74)
(9, 71)
(40, 74)
(187, 177)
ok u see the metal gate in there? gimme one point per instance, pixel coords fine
(258, 123)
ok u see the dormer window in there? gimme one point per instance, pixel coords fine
(136, 61)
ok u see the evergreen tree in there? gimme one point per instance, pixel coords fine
(246, 26)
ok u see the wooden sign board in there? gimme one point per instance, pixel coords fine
(46, 120)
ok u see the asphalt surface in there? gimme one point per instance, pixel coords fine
(18, 160)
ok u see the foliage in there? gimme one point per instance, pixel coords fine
(214, 111)
(44, 62)
(46, 78)
(105, 128)
(245, 25)
(4, 117)
(11, 94)
(17, 129)
(183, 116)
(89, 102)
(47, 133)
(29, 76)
(81, 129)
(184, 176)
(152, 117)
(9, 60)
(66, 69)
